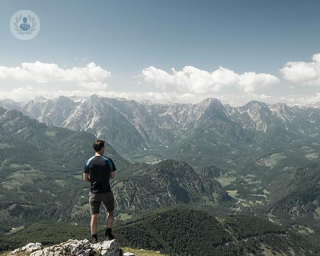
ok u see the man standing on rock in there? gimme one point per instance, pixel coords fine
(98, 170)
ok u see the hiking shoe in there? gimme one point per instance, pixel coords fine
(109, 237)
(94, 239)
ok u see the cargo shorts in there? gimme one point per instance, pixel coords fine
(96, 199)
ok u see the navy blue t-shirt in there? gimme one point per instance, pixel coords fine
(99, 169)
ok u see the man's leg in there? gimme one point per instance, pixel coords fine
(110, 219)
(94, 208)
(109, 203)
(94, 223)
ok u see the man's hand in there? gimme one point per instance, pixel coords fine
(85, 177)
(111, 176)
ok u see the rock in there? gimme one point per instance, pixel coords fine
(71, 247)
(15, 252)
(31, 247)
(37, 253)
(110, 248)
(128, 254)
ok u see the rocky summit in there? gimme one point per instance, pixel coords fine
(73, 247)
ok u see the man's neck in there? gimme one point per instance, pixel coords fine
(97, 154)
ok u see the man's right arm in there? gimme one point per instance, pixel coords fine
(85, 177)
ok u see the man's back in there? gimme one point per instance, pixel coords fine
(99, 169)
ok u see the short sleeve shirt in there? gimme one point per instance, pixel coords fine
(99, 169)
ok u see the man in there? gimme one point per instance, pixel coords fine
(98, 170)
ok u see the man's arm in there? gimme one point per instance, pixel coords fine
(113, 167)
(112, 174)
(85, 177)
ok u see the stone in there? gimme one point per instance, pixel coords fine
(110, 248)
(128, 254)
(31, 247)
(15, 252)
(37, 253)
(71, 247)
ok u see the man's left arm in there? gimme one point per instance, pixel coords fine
(113, 170)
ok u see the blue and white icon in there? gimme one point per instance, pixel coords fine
(25, 25)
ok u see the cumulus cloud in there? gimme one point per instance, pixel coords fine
(306, 73)
(90, 76)
(249, 81)
(200, 82)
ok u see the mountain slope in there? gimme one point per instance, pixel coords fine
(181, 231)
(143, 187)
(41, 169)
(295, 199)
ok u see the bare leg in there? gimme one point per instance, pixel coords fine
(110, 220)
(94, 223)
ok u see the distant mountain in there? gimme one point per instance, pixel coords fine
(295, 199)
(180, 231)
(41, 169)
(50, 112)
(142, 187)
(10, 104)
(203, 134)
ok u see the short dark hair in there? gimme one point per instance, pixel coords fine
(98, 145)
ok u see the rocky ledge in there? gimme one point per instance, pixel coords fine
(73, 247)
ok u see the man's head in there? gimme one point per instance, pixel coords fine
(98, 146)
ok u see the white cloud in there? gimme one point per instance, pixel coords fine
(306, 73)
(200, 82)
(91, 76)
(249, 81)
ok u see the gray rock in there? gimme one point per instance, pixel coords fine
(37, 253)
(128, 254)
(71, 247)
(31, 247)
(110, 248)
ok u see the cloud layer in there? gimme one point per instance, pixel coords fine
(200, 82)
(305, 73)
(90, 77)
(24, 94)
(189, 85)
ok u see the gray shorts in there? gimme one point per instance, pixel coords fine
(96, 199)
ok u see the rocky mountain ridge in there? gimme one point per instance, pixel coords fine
(131, 125)
(72, 247)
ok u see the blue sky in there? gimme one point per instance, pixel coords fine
(126, 38)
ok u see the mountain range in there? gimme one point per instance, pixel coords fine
(41, 177)
(256, 159)
(256, 135)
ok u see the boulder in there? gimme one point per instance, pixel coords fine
(72, 247)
